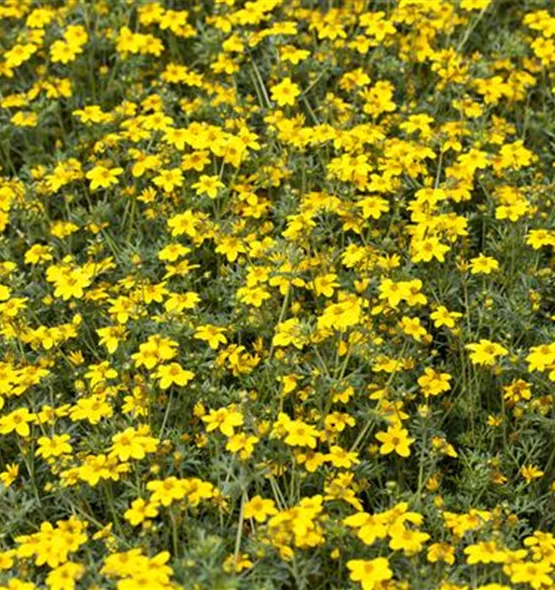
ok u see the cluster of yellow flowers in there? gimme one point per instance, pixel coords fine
(276, 295)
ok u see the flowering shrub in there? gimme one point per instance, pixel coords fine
(277, 294)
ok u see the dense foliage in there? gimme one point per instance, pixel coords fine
(277, 296)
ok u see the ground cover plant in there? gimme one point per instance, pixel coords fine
(277, 296)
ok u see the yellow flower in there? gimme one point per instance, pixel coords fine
(208, 185)
(373, 207)
(413, 327)
(169, 179)
(71, 284)
(231, 246)
(132, 444)
(536, 574)
(223, 419)
(537, 238)
(425, 249)
(285, 92)
(300, 434)
(541, 357)
(53, 447)
(441, 552)
(92, 114)
(253, 296)
(483, 265)
(484, 552)
(155, 350)
(379, 99)
(341, 316)
(9, 475)
(111, 336)
(165, 491)
(531, 472)
(370, 572)
(475, 4)
(243, 444)
(64, 576)
(173, 374)
(325, 284)
(102, 177)
(24, 119)
(290, 332)
(140, 510)
(443, 317)
(433, 382)
(19, 54)
(259, 508)
(92, 408)
(172, 252)
(486, 352)
(17, 421)
(395, 439)
(237, 564)
(214, 335)
(341, 458)
(62, 52)
(38, 253)
(408, 540)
